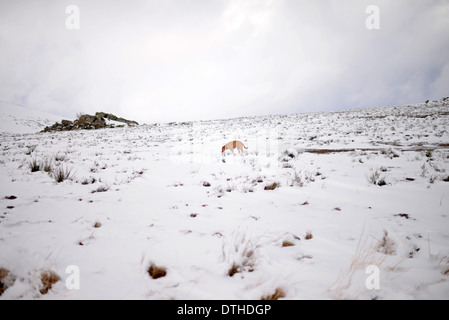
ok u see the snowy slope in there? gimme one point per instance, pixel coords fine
(357, 190)
(18, 119)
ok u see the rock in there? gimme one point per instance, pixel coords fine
(112, 117)
(89, 122)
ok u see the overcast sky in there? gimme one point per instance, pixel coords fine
(179, 60)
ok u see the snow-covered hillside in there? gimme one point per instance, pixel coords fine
(340, 205)
(18, 119)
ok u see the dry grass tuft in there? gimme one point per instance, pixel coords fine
(157, 272)
(272, 186)
(287, 243)
(3, 273)
(365, 255)
(387, 245)
(241, 253)
(247, 263)
(61, 174)
(34, 165)
(48, 279)
(233, 270)
(278, 294)
(6, 280)
(308, 235)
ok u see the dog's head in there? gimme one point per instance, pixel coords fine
(223, 149)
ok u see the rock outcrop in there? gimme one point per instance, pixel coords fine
(90, 122)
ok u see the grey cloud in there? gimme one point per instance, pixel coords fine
(185, 60)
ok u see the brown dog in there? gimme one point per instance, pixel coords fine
(232, 145)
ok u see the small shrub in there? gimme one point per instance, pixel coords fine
(60, 157)
(46, 166)
(60, 174)
(242, 254)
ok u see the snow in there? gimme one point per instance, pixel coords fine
(18, 119)
(164, 194)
